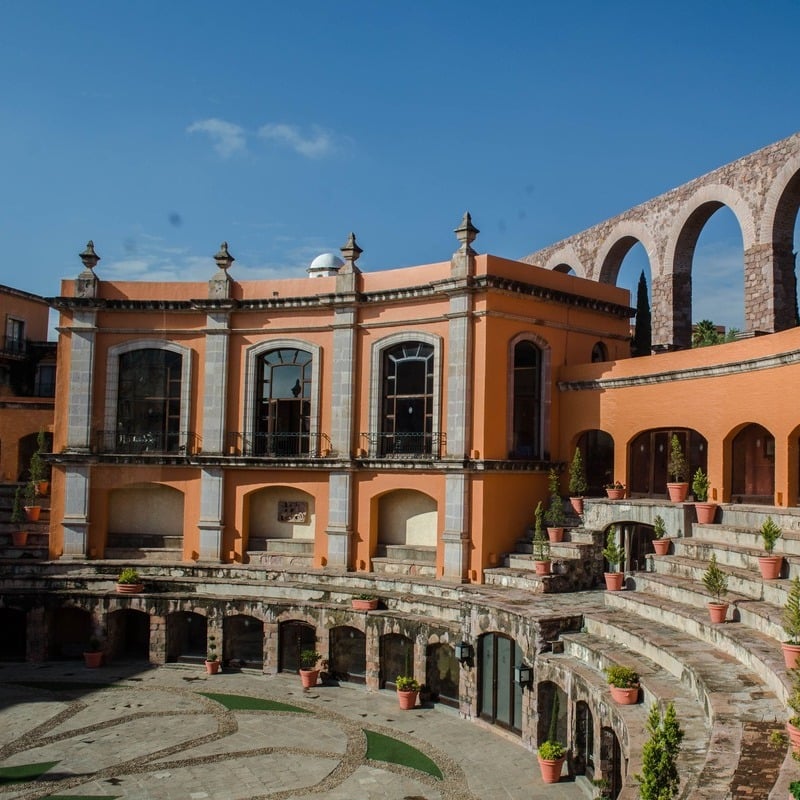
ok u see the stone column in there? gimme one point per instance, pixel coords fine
(76, 510)
(769, 288)
(215, 384)
(342, 381)
(455, 537)
(210, 523)
(340, 523)
(81, 380)
(671, 312)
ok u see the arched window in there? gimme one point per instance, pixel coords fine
(283, 402)
(599, 352)
(149, 400)
(407, 407)
(527, 401)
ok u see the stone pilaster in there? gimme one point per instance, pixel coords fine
(210, 523)
(455, 537)
(215, 384)
(458, 376)
(76, 510)
(339, 530)
(81, 379)
(343, 381)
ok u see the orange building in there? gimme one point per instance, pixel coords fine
(398, 421)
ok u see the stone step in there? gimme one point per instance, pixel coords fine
(567, 574)
(422, 554)
(747, 538)
(518, 579)
(732, 555)
(144, 553)
(410, 567)
(268, 545)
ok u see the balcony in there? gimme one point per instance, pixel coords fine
(122, 443)
(11, 347)
(279, 445)
(404, 445)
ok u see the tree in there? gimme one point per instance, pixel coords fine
(659, 779)
(705, 333)
(643, 335)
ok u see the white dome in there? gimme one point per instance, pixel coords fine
(324, 265)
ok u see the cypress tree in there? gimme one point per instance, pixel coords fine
(643, 335)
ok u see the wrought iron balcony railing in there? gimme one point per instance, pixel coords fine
(146, 442)
(404, 445)
(10, 346)
(279, 445)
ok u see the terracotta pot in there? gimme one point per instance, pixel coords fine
(309, 677)
(577, 505)
(93, 660)
(19, 538)
(677, 491)
(364, 605)
(551, 769)
(542, 567)
(625, 697)
(705, 512)
(615, 494)
(32, 513)
(212, 667)
(791, 654)
(613, 581)
(717, 612)
(407, 700)
(43, 488)
(661, 546)
(130, 588)
(770, 567)
(794, 736)
(555, 534)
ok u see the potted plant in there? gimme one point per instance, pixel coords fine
(38, 468)
(551, 752)
(93, 655)
(660, 542)
(555, 511)
(659, 779)
(770, 565)
(601, 788)
(309, 672)
(541, 546)
(716, 584)
(678, 469)
(624, 684)
(791, 624)
(793, 725)
(129, 581)
(794, 790)
(364, 602)
(577, 481)
(31, 507)
(407, 691)
(615, 555)
(212, 659)
(615, 490)
(19, 537)
(705, 511)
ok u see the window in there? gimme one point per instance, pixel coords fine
(407, 400)
(527, 401)
(15, 335)
(45, 380)
(149, 401)
(283, 403)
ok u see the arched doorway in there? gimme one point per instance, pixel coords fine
(348, 654)
(69, 632)
(583, 759)
(442, 673)
(611, 760)
(552, 712)
(186, 637)
(397, 658)
(597, 452)
(13, 623)
(243, 641)
(499, 696)
(648, 455)
(294, 636)
(753, 466)
(129, 634)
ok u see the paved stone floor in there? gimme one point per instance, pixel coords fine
(138, 733)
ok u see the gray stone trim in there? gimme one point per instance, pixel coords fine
(81, 379)
(76, 510)
(455, 537)
(546, 395)
(112, 381)
(210, 523)
(459, 353)
(252, 354)
(339, 529)
(376, 377)
(343, 382)
(215, 382)
(692, 373)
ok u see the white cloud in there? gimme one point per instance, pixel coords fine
(318, 145)
(227, 137)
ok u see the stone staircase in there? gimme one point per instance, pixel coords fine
(396, 559)
(38, 539)
(144, 547)
(286, 553)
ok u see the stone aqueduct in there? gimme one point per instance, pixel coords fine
(763, 192)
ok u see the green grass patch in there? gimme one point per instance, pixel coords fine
(238, 702)
(385, 748)
(24, 772)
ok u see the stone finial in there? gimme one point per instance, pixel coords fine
(466, 233)
(223, 258)
(350, 251)
(89, 257)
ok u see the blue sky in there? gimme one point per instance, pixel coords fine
(160, 129)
